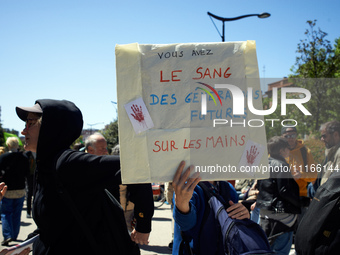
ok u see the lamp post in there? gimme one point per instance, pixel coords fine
(261, 16)
(114, 105)
(91, 125)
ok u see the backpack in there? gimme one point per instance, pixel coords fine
(240, 237)
(319, 230)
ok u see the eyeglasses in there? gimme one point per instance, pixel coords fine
(324, 136)
(290, 136)
(30, 123)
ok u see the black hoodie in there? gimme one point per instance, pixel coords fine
(280, 190)
(84, 176)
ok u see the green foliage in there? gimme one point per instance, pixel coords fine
(273, 128)
(79, 140)
(2, 139)
(111, 135)
(316, 66)
(317, 148)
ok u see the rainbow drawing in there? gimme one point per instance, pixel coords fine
(209, 93)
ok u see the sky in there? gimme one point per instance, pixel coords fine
(65, 49)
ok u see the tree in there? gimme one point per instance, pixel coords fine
(315, 65)
(273, 121)
(2, 139)
(111, 134)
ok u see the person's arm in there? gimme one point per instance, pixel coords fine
(237, 211)
(3, 189)
(78, 168)
(184, 212)
(141, 195)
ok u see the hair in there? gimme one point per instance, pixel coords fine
(92, 139)
(275, 144)
(38, 115)
(331, 127)
(116, 150)
(12, 142)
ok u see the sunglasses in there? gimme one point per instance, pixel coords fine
(30, 123)
(290, 136)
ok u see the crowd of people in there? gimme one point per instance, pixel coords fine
(118, 217)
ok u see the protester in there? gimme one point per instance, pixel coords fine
(14, 167)
(71, 206)
(278, 198)
(330, 135)
(96, 144)
(189, 210)
(301, 161)
(319, 230)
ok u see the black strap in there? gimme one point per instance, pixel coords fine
(184, 246)
(209, 194)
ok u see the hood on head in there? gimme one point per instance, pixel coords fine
(62, 123)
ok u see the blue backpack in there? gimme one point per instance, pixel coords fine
(240, 237)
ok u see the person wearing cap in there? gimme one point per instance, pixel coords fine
(70, 203)
(300, 159)
(302, 163)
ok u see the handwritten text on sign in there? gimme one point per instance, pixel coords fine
(170, 82)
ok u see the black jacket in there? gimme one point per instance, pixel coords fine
(280, 192)
(85, 177)
(14, 169)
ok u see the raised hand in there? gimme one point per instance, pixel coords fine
(184, 187)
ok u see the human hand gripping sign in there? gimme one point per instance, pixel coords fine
(184, 187)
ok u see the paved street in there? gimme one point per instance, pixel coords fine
(27, 227)
(159, 237)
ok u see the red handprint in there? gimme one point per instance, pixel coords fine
(138, 114)
(252, 154)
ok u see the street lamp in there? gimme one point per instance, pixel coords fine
(261, 16)
(114, 105)
(91, 125)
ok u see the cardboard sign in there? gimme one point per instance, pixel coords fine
(178, 102)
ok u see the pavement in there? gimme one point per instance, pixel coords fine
(27, 226)
(159, 238)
